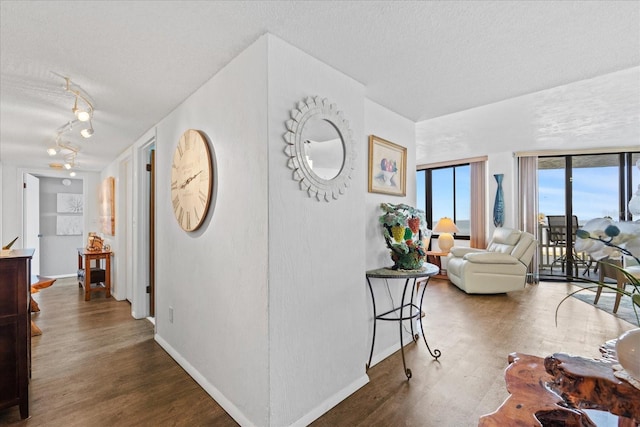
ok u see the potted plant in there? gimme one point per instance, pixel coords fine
(603, 238)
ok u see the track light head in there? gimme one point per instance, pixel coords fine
(87, 132)
(67, 165)
(83, 116)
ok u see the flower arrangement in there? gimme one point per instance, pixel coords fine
(603, 238)
(403, 228)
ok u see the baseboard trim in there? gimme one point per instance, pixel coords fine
(61, 276)
(332, 401)
(381, 355)
(216, 394)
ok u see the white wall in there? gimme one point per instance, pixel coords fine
(388, 125)
(216, 278)
(121, 259)
(11, 205)
(317, 299)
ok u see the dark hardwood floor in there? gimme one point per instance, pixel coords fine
(94, 365)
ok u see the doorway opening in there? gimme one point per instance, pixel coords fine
(53, 222)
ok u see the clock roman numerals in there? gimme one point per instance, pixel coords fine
(180, 215)
(191, 176)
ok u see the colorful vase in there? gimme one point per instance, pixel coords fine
(498, 207)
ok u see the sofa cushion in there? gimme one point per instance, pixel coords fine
(491, 258)
(523, 246)
(460, 251)
(506, 236)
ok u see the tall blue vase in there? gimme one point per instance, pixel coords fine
(498, 206)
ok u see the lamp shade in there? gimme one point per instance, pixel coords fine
(445, 225)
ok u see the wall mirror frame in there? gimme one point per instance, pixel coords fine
(308, 110)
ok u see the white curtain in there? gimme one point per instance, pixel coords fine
(528, 205)
(478, 237)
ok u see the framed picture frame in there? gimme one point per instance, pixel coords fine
(387, 167)
(107, 206)
(68, 225)
(69, 203)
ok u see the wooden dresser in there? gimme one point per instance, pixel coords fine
(15, 336)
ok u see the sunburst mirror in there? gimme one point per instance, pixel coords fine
(320, 149)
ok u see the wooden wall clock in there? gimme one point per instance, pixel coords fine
(191, 180)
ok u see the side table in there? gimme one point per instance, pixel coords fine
(434, 258)
(85, 280)
(415, 311)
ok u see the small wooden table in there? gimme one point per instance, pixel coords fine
(96, 256)
(433, 257)
(557, 389)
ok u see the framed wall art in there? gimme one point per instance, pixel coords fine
(69, 203)
(68, 225)
(107, 206)
(387, 167)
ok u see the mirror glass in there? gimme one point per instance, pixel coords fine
(324, 149)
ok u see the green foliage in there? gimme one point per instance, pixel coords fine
(602, 238)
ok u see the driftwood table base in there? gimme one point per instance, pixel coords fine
(552, 392)
(34, 307)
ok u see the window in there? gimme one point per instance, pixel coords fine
(446, 191)
(584, 187)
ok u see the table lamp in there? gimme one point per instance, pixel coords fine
(445, 227)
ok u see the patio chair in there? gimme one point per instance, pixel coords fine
(558, 240)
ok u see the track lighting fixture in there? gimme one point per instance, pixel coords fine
(65, 148)
(83, 111)
(82, 114)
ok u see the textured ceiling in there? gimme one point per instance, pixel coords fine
(140, 59)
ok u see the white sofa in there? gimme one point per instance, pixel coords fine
(502, 267)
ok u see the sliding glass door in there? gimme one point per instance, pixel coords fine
(572, 190)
